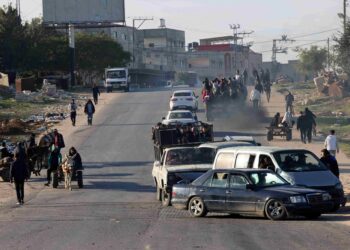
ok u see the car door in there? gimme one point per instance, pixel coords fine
(238, 197)
(213, 191)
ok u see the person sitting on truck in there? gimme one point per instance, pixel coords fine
(172, 158)
(266, 163)
(276, 120)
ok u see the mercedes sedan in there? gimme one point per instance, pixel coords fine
(249, 191)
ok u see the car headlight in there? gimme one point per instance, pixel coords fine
(297, 199)
(326, 197)
(339, 186)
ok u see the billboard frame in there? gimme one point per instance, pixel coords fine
(87, 24)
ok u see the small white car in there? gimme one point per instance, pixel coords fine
(179, 116)
(183, 99)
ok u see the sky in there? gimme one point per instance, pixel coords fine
(310, 22)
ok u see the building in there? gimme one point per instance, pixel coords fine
(288, 70)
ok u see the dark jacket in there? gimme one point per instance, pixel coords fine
(76, 161)
(60, 140)
(95, 91)
(5, 153)
(19, 170)
(331, 164)
(86, 108)
(301, 123)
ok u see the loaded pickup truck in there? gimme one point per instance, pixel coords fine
(179, 165)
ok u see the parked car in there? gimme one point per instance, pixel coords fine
(249, 191)
(180, 117)
(299, 167)
(184, 99)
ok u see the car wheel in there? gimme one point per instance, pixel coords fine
(335, 208)
(269, 136)
(196, 207)
(275, 210)
(166, 197)
(312, 216)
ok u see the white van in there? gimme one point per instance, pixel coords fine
(298, 166)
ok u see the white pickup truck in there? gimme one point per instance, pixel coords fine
(179, 165)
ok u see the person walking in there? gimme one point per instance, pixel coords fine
(330, 162)
(95, 93)
(245, 77)
(301, 126)
(310, 123)
(89, 110)
(58, 140)
(73, 111)
(55, 159)
(267, 85)
(331, 143)
(19, 173)
(289, 102)
(255, 97)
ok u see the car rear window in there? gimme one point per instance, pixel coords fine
(224, 161)
(182, 94)
(184, 115)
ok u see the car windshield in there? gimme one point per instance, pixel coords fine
(182, 94)
(266, 179)
(183, 115)
(298, 161)
(189, 156)
(115, 74)
(188, 177)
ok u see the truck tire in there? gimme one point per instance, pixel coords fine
(55, 179)
(269, 136)
(158, 193)
(166, 198)
(5, 174)
(80, 179)
(289, 135)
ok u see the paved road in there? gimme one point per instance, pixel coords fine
(117, 209)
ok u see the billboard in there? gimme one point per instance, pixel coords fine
(83, 11)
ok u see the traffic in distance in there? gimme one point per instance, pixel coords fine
(236, 174)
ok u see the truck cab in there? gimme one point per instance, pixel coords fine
(117, 78)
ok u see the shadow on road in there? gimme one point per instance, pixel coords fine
(117, 164)
(120, 186)
(106, 175)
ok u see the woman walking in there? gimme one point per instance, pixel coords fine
(89, 111)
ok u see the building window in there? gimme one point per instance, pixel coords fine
(116, 34)
(125, 37)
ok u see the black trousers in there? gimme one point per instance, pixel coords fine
(19, 190)
(96, 99)
(49, 171)
(309, 134)
(73, 116)
(303, 135)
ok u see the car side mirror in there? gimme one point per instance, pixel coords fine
(249, 186)
(258, 144)
(163, 118)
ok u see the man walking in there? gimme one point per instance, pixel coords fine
(289, 102)
(18, 174)
(55, 159)
(301, 126)
(58, 140)
(255, 97)
(95, 93)
(310, 123)
(331, 143)
(73, 111)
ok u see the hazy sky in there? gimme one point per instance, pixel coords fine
(207, 18)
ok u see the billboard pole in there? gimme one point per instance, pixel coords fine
(71, 36)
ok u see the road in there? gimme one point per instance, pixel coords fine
(117, 207)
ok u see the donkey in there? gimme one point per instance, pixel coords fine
(67, 169)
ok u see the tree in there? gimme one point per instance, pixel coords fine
(95, 52)
(312, 60)
(342, 49)
(12, 41)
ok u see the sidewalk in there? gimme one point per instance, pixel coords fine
(73, 136)
(277, 104)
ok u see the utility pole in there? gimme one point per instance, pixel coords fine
(345, 19)
(143, 20)
(236, 37)
(276, 50)
(18, 7)
(328, 56)
(71, 37)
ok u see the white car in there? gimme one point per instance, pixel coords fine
(183, 99)
(179, 116)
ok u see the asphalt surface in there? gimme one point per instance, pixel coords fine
(117, 207)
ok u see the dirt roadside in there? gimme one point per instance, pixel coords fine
(74, 136)
(277, 104)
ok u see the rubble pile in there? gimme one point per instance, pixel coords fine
(13, 126)
(332, 85)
